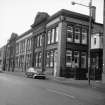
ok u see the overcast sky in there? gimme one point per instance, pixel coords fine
(17, 15)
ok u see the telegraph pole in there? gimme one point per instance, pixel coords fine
(90, 32)
(103, 75)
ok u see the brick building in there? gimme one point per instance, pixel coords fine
(23, 55)
(2, 56)
(10, 53)
(56, 45)
(65, 40)
(97, 52)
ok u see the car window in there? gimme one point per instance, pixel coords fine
(31, 70)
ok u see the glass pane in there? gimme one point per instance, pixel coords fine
(48, 37)
(56, 34)
(83, 60)
(76, 58)
(84, 36)
(52, 38)
(69, 33)
(77, 35)
(68, 58)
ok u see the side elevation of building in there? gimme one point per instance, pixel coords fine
(97, 52)
(56, 45)
(2, 56)
(23, 55)
(10, 53)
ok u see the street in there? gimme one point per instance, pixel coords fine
(15, 90)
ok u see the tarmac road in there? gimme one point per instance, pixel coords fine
(15, 90)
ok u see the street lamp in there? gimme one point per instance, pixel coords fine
(90, 22)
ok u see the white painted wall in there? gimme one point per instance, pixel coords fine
(99, 41)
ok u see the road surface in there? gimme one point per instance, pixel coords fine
(15, 90)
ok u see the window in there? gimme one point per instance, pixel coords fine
(48, 37)
(40, 43)
(38, 40)
(20, 47)
(84, 36)
(83, 60)
(40, 59)
(68, 58)
(17, 48)
(28, 44)
(69, 33)
(47, 58)
(76, 58)
(77, 35)
(51, 58)
(36, 60)
(24, 46)
(56, 34)
(52, 35)
(95, 41)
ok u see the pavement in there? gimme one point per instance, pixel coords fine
(95, 85)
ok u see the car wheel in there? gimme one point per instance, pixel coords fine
(26, 76)
(34, 77)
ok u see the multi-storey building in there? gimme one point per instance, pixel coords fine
(2, 57)
(97, 51)
(23, 56)
(10, 53)
(39, 32)
(56, 45)
(67, 44)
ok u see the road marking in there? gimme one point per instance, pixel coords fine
(61, 93)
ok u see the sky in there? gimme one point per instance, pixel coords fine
(18, 15)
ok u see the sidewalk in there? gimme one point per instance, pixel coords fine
(97, 85)
(15, 73)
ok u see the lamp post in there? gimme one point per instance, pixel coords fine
(89, 43)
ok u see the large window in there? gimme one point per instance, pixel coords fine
(76, 59)
(47, 58)
(51, 58)
(38, 40)
(36, 60)
(84, 36)
(52, 35)
(68, 58)
(40, 59)
(23, 45)
(40, 43)
(56, 34)
(69, 33)
(49, 37)
(77, 35)
(28, 44)
(17, 48)
(83, 60)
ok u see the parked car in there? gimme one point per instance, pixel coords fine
(30, 72)
(39, 75)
